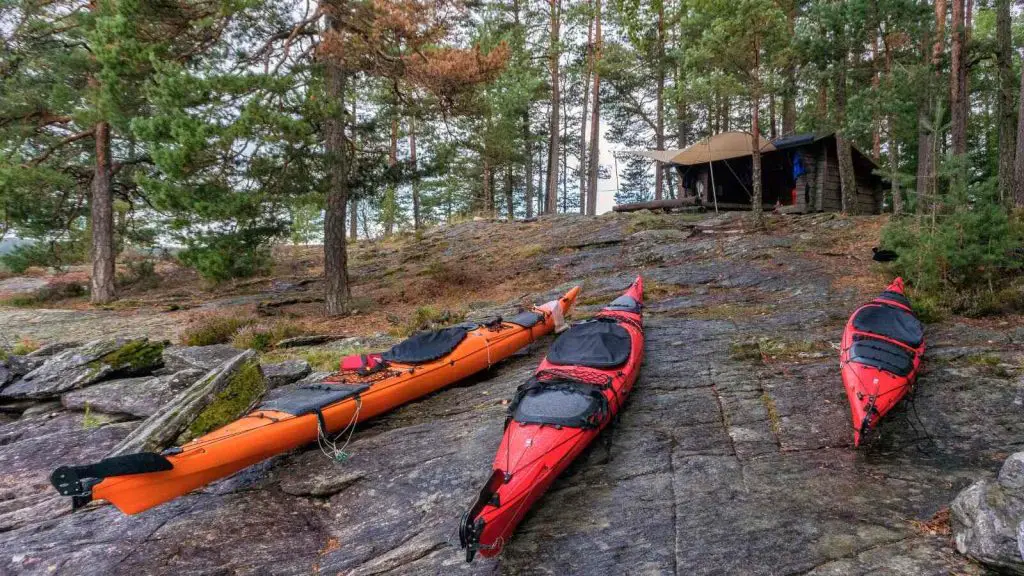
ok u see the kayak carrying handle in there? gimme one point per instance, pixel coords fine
(78, 481)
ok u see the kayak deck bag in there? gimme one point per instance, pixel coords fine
(559, 403)
(595, 344)
(427, 346)
(891, 322)
(882, 355)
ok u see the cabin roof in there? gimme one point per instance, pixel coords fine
(735, 145)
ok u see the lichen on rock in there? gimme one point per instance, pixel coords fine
(986, 517)
(86, 365)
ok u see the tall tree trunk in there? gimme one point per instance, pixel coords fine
(682, 125)
(389, 208)
(755, 133)
(789, 78)
(876, 133)
(528, 156)
(1018, 162)
(595, 116)
(565, 151)
(958, 81)
(821, 112)
(588, 70)
(553, 135)
(510, 207)
(659, 132)
(102, 214)
(1007, 123)
(927, 137)
(542, 178)
(847, 180)
(894, 149)
(365, 219)
(725, 113)
(713, 113)
(415, 174)
(336, 285)
(755, 143)
(488, 190)
(353, 221)
(772, 131)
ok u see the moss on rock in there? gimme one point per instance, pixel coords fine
(131, 358)
(246, 386)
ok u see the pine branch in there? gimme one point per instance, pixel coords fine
(49, 151)
(117, 166)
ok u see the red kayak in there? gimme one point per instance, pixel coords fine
(577, 390)
(881, 354)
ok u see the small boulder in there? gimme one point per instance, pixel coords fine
(285, 372)
(14, 367)
(86, 365)
(987, 515)
(140, 397)
(178, 358)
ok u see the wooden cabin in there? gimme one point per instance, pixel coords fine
(799, 173)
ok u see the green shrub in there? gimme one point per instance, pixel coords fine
(963, 257)
(221, 257)
(44, 254)
(928, 308)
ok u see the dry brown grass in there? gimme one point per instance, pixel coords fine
(937, 525)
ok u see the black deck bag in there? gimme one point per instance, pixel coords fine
(307, 398)
(882, 355)
(559, 402)
(526, 319)
(891, 322)
(598, 343)
(429, 345)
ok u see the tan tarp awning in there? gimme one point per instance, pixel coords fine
(718, 147)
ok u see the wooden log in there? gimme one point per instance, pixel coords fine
(657, 204)
(164, 427)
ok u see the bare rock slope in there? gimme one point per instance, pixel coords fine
(732, 457)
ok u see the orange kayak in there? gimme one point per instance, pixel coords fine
(425, 363)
